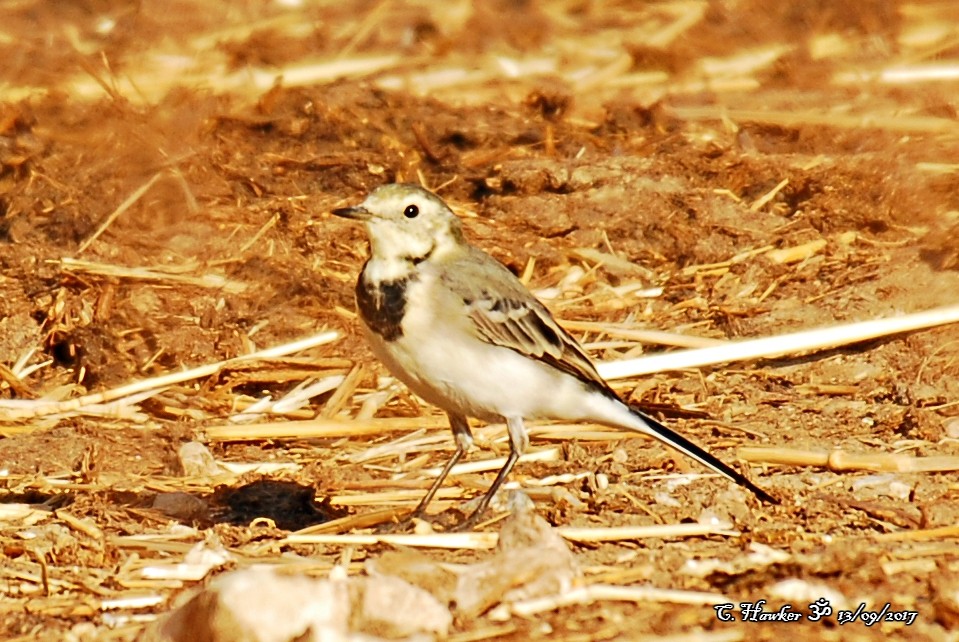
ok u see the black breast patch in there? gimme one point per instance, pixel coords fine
(383, 304)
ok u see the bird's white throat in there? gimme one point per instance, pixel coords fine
(396, 255)
(386, 270)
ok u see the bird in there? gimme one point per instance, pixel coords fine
(464, 334)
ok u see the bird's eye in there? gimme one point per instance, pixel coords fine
(411, 211)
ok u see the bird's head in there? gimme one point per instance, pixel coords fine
(406, 222)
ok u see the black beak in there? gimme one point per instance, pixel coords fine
(357, 213)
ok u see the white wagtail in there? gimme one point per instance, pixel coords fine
(462, 332)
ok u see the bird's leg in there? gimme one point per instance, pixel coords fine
(518, 442)
(464, 441)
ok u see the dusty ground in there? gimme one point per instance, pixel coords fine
(654, 132)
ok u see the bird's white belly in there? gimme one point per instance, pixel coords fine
(455, 370)
(484, 381)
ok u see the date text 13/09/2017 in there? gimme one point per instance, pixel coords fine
(818, 610)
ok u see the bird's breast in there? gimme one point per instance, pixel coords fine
(383, 304)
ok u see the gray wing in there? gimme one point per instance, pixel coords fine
(504, 313)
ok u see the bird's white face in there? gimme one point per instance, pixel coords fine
(406, 223)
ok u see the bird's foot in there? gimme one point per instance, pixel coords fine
(469, 523)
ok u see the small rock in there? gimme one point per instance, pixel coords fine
(182, 506)
(884, 485)
(952, 428)
(196, 460)
(260, 605)
(392, 608)
(264, 605)
(531, 560)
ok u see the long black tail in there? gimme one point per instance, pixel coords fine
(688, 448)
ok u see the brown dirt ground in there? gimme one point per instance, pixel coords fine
(663, 173)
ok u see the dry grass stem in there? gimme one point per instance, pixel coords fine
(653, 337)
(403, 446)
(902, 74)
(258, 467)
(723, 266)
(322, 428)
(611, 262)
(795, 119)
(484, 540)
(768, 196)
(460, 541)
(147, 84)
(290, 402)
(787, 344)
(84, 526)
(155, 275)
(796, 253)
(608, 593)
(628, 533)
(920, 535)
(840, 460)
(359, 521)
(15, 410)
(344, 392)
(405, 497)
(486, 465)
(273, 220)
(123, 207)
(132, 602)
